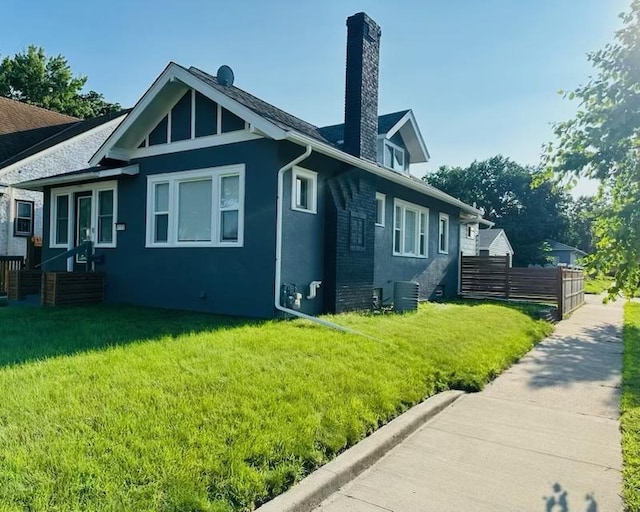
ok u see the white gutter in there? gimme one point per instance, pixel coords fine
(423, 188)
(278, 280)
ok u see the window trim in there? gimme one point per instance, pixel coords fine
(215, 174)
(445, 217)
(313, 177)
(383, 198)
(31, 218)
(94, 188)
(395, 147)
(419, 211)
(469, 232)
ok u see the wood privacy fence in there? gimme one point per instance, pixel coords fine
(7, 264)
(492, 277)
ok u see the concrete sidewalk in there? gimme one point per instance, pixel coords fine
(544, 432)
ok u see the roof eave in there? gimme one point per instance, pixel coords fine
(380, 171)
(39, 184)
(175, 72)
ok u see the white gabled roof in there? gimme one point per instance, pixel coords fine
(168, 88)
(408, 129)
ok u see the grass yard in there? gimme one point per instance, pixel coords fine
(596, 285)
(630, 407)
(121, 408)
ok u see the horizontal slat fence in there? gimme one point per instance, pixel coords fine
(23, 283)
(492, 277)
(7, 264)
(70, 288)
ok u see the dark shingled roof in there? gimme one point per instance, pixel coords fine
(559, 246)
(63, 133)
(487, 236)
(23, 125)
(335, 132)
(278, 117)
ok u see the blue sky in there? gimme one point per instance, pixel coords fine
(481, 76)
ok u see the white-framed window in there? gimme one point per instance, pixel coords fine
(443, 233)
(304, 190)
(393, 156)
(200, 208)
(102, 217)
(380, 208)
(410, 229)
(469, 231)
(23, 222)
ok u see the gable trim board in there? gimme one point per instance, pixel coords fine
(416, 144)
(176, 73)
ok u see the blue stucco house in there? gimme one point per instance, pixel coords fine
(208, 198)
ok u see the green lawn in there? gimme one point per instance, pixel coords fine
(121, 408)
(596, 285)
(630, 420)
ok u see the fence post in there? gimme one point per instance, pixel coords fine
(507, 277)
(560, 293)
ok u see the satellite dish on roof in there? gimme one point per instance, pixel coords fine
(225, 76)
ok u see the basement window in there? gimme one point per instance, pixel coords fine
(304, 190)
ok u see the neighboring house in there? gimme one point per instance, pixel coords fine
(494, 242)
(469, 229)
(563, 254)
(38, 143)
(208, 198)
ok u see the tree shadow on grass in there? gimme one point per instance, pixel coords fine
(29, 334)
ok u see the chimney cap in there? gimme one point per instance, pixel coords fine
(362, 18)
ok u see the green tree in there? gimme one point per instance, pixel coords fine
(503, 188)
(602, 142)
(48, 82)
(582, 214)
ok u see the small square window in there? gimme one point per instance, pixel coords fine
(380, 209)
(393, 157)
(304, 190)
(23, 224)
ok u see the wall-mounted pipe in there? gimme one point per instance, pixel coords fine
(313, 289)
(278, 280)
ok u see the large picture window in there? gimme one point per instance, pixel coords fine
(410, 229)
(203, 208)
(23, 224)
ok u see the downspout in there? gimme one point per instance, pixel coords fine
(278, 283)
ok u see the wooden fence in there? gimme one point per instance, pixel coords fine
(66, 288)
(7, 264)
(492, 277)
(23, 283)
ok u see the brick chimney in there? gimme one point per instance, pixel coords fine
(361, 95)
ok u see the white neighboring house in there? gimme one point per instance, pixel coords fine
(38, 143)
(469, 230)
(494, 242)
